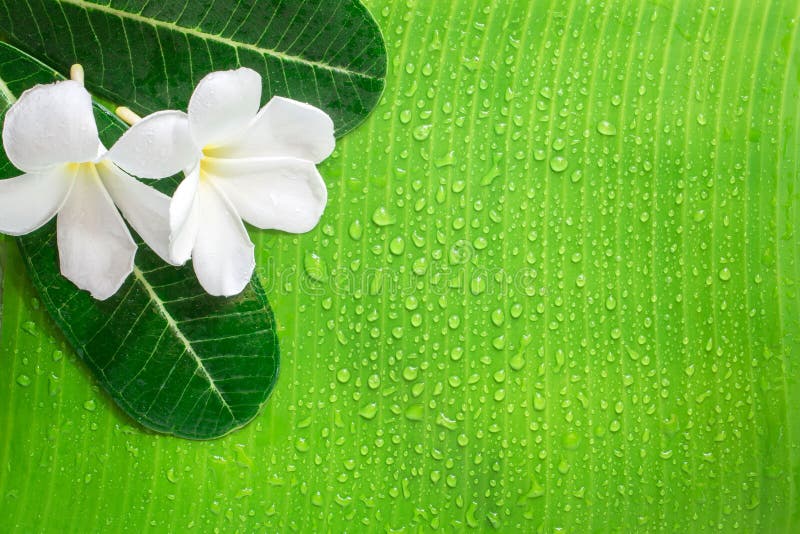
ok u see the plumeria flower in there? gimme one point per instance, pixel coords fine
(50, 134)
(241, 163)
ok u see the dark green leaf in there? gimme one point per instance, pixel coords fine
(176, 359)
(150, 55)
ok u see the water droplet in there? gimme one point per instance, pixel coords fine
(478, 285)
(606, 128)
(53, 386)
(24, 380)
(725, 274)
(397, 246)
(410, 373)
(460, 253)
(343, 375)
(454, 321)
(171, 476)
(563, 467)
(301, 444)
(314, 266)
(490, 176)
(356, 230)
(559, 164)
(498, 317)
(374, 381)
(517, 362)
(500, 376)
(368, 411)
(422, 132)
(420, 266)
(499, 342)
(446, 160)
(382, 217)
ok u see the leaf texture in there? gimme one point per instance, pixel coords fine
(150, 55)
(174, 358)
(555, 289)
(3, 262)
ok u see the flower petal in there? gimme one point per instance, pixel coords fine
(223, 255)
(282, 193)
(157, 146)
(145, 209)
(94, 246)
(284, 128)
(184, 218)
(223, 104)
(51, 124)
(27, 202)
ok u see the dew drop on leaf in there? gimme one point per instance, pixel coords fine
(559, 164)
(606, 128)
(382, 217)
(314, 266)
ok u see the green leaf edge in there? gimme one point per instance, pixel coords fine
(371, 18)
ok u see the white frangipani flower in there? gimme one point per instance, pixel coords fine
(51, 135)
(240, 163)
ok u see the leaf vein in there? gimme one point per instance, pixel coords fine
(283, 56)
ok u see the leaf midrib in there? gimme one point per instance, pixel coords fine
(173, 326)
(283, 56)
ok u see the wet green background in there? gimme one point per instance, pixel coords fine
(556, 286)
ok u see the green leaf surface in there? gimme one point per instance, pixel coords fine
(150, 55)
(555, 287)
(174, 358)
(2, 268)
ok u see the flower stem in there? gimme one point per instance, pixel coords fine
(76, 73)
(127, 115)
